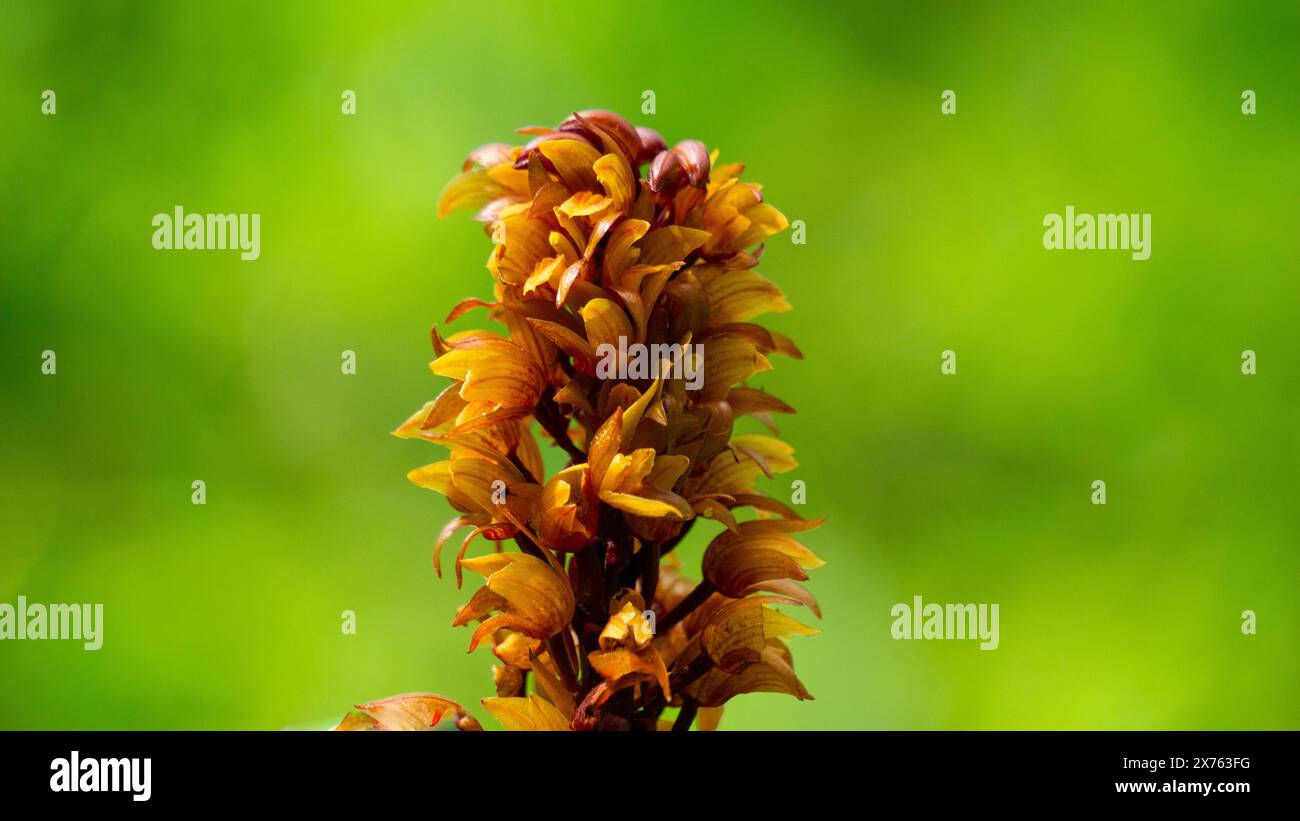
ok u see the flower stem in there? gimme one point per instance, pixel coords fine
(650, 572)
(686, 606)
(559, 650)
(676, 540)
(556, 424)
(686, 717)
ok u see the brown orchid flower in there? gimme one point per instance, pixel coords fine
(620, 265)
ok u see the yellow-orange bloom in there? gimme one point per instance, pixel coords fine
(622, 269)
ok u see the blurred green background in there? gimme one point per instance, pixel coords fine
(924, 234)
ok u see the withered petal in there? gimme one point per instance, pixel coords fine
(410, 711)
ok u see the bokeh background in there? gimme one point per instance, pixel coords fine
(924, 234)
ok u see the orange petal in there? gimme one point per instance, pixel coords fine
(469, 190)
(627, 471)
(410, 711)
(531, 713)
(671, 243)
(757, 551)
(604, 445)
(495, 370)
(773, 673)
(584, 358)
(437, 476)
(735, 296)
(484, 481)
(573, 161)
(584, 204)
(538, 601)
(620, 252)
(549, 685)
(526, 242)
(711, 508)
(740, 630)
(605, 322)
(615, 664)
(616, 178)
(446, 533)
(728, 360)
(736, 474)
(627, 627)
(650, 502)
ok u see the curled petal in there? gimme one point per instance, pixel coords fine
(624, 486)
(572, 343)
(764, 503)
(734, 473)
(617, 180)
(666, 172)
(485, 481)
(529, 154)
(605, 323)
(411, 711)
(535, 600)
(627, 627)
(610, 128)
(573, 161)
(667, 470)
(649, 502)
(488, 155)
(584, 204)
(728, 360)
(766, 341)
(483, 602)
(710, 508)
(736, 296)
(604, 446)
(749, 400)
(620, 250)
(772, 673)
(651, 144)
(672, 243)
(515, 649)
(495, 370)
(739, 631)
(791, 590)
(757, 551)
(446, 533)
(764, 221)
(437, 477)
(564, 512)
(468, 191)
(627, 471)
(615, 664)
(546, 272)
(466, 305)
(526, 241)
(433, 415)
(695, 161)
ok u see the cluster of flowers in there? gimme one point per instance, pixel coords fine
(583, 592)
